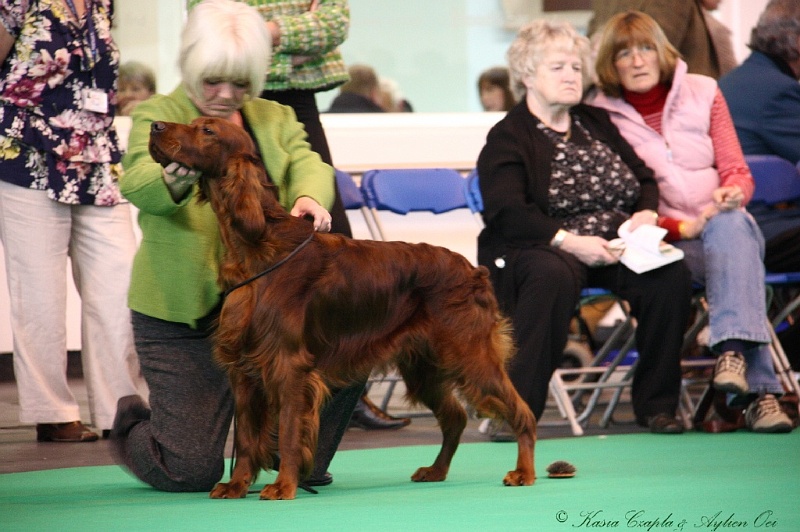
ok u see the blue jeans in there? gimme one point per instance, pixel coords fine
(728, 260)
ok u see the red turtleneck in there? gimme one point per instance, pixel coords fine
(649, 104)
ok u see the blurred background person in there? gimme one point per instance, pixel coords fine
(137, 82)
(763, 95)
(362, 94)
(494, 90)
(721, 37)
(683, 21)
(60, 201)
(392, 98)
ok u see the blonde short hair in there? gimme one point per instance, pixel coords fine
(225, 40)
(537, 38)
(627, 30)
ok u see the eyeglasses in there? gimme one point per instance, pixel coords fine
(626, 55)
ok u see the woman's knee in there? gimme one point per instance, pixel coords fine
(195, 476)
(733, 226)
(548, 270)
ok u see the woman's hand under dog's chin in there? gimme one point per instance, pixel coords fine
(179, 179)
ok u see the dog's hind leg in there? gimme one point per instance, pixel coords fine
(491, 391)
(426, 385)
(246, 469)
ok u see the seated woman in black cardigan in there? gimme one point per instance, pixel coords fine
(557, 181)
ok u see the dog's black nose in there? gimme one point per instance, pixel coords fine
(157, 127)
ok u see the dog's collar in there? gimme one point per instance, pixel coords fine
(278, 264)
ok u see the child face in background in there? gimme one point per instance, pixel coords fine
(492, 97)
(130, 93)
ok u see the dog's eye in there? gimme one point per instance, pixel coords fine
(207, 131)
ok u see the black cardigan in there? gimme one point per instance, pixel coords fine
(515, 168)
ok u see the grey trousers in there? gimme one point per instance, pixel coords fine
(182, 446)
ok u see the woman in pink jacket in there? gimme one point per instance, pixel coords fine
(679, 124)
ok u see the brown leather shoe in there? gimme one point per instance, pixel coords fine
(72, 431)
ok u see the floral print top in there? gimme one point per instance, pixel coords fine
(591, 188)
(49, 140)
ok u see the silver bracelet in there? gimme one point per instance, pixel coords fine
(558, 240)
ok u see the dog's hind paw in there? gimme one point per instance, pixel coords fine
(224, 490)
(519, 478)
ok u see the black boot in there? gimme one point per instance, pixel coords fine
(368, 416)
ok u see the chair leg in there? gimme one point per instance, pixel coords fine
(562, 398)
(782, 366)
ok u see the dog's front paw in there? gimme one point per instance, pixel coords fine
(519, 478)
(429, 474)
(278, 492)
(225, 490)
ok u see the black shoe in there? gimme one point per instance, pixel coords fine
(663, 424)
(368, 416)
(324, 480)
(131, 409)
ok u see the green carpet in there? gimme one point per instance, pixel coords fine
(696, 481)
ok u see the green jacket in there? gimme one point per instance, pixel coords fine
(175, 270)
(314, 34)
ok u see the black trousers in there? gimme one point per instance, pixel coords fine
(335, 416)
(548, 284)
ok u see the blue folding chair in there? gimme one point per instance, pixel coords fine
(435, 190)
(472, 194)
(777, 180)
(353, 199)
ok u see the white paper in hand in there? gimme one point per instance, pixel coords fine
(644, 248)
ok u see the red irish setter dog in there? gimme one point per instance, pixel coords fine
(305, 311)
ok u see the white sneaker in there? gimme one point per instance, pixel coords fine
(729, 373)
(765, 415)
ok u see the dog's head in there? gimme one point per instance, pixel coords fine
(207, 145)
(233, 178)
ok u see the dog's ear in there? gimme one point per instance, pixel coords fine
(244, 190)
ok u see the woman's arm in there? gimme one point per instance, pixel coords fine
(144, 182)
(317, 31)
(6, 43)
(729, 160)
(509, 186)
(12, 17)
